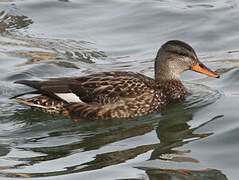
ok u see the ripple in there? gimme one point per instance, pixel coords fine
(42, 41)
(200, 95)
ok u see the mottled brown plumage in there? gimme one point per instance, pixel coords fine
(118, 94)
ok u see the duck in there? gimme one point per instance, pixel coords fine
(118, 94)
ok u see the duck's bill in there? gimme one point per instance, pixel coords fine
(201, 68)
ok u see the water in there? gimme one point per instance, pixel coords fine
(196, 139)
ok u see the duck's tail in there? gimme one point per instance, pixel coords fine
(23, 94)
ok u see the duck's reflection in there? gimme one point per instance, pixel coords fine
(206, 174)
(174, 133)
(172, 130)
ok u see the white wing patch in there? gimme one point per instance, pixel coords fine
(69, 97)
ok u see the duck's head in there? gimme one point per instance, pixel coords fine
(175, 57)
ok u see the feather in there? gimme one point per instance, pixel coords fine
(69, 97)
(32, 92)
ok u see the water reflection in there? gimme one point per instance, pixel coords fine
(172, 130)
(10, 22)
(175, 132)
(206, 174)
(59, 52)
(4, 149)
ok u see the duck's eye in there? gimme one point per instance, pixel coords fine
(201, 65)
(181, 53)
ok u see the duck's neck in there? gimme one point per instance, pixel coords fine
(164, 71)
(173, 89)
(168, 78)
(165, 75)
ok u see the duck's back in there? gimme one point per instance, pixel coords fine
(110, 87)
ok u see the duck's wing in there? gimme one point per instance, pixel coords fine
(53, 88)
(103, 88)
(109, 87)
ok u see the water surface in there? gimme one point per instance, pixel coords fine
(196, 139)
